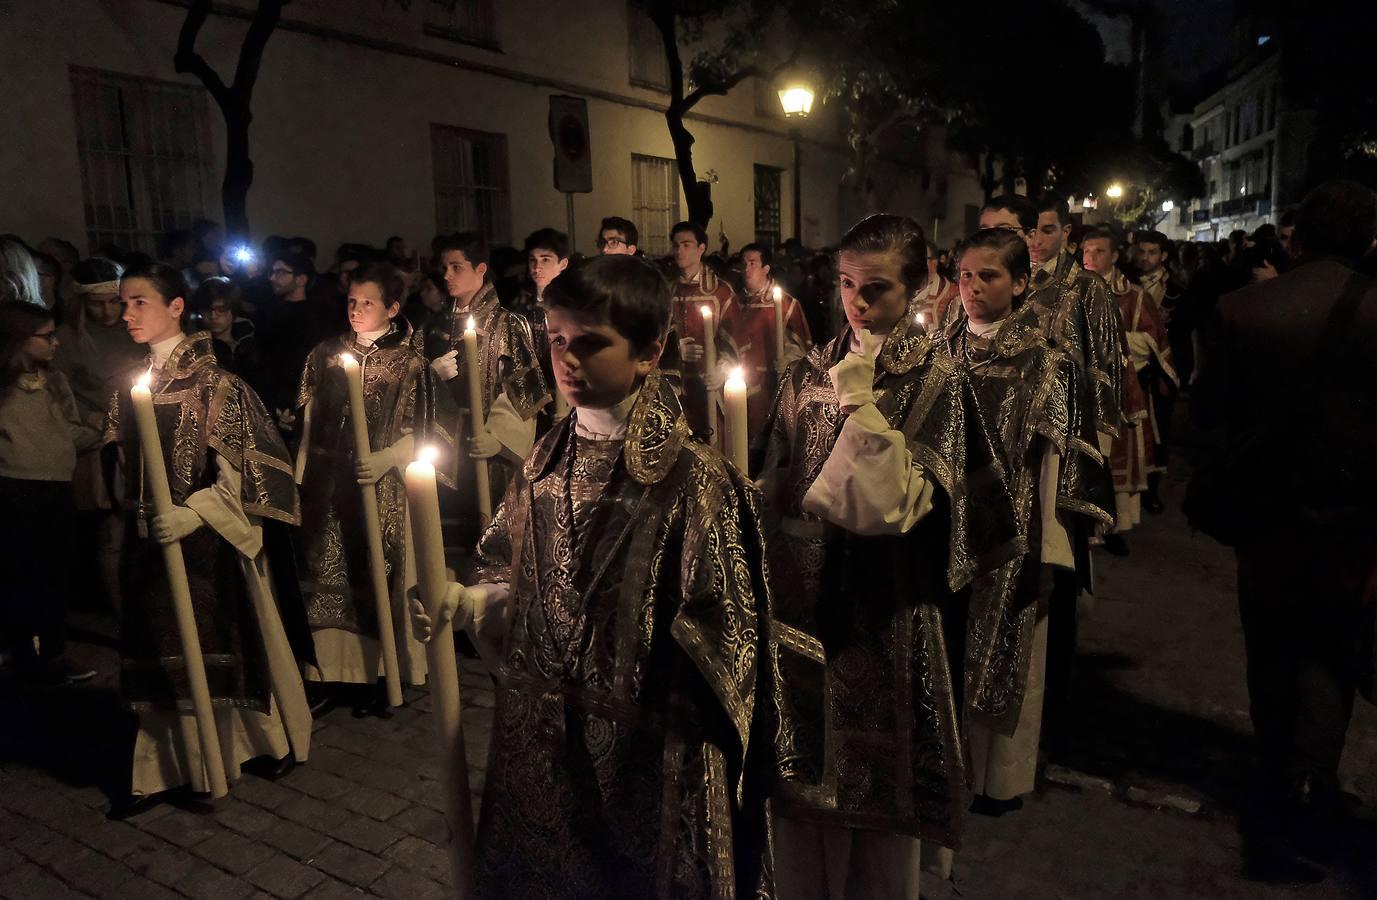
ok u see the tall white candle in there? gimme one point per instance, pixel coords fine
(377, 565)
(155, 474)
(432, 582)
(709, 339)
(476, 416)
(738, 433)
(779, 323)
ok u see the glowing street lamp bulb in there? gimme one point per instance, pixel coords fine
(1114, 191)
(1168, 206)
(428, 454)
(797, 101)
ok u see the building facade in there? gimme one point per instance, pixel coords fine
(1251, 141)
(377, 118)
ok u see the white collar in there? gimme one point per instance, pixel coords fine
(989, 329)
(605, 424)
(163, 349)
(369, 338)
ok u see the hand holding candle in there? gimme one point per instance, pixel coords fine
(476, 417)
(155, 472)
(423, 504)
(382, 602)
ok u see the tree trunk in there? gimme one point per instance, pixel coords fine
(234, 190)
(699, 206)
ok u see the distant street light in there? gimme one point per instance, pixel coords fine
(797, 99)
(1168, 206)
(1114, 191)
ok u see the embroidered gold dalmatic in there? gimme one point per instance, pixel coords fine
(1080, 318)
(870, 738)
(206, 418)
(627, 681)
(401, 396)
(507, 364)
(1023, 387)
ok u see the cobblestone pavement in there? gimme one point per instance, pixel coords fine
(1143, 803)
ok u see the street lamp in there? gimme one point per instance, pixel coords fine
(1168, 206)
(1114, 191)
(796, 97)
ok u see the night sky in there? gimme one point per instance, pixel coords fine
(1196, 37)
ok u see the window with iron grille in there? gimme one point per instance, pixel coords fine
(145, 160)
(767, 212)
(649, 68)
(471, 187)
(462, 21)
(654, 201)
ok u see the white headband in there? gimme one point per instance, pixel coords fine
(100, 287)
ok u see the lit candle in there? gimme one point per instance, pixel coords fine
(432, 581)
(480, 466)
(155, 472)
(920, 320)
(377, 565)
(779, 323)
(738, 435)
(709, 339)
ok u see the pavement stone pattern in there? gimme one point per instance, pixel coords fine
(363, 818)
(1141, 804)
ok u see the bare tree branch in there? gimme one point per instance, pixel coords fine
(724, 86)
(188, 62)
(265, 20)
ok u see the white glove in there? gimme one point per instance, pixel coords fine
(714, 380)
(421, 625)
(174, 526)
(371, 468)
(854, 377)
(690, 350)
(286, 419)
(484, 445)
(446, 367)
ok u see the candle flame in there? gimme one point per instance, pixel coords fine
(737, 376)
(428, 454)
(706, 311)
(473, 325)
(918, 317)
(347, 359)
(145, 379)
(779, 293)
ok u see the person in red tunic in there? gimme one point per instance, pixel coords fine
(698, 289)
(755, 334)
(939, 300)
(1146, 350)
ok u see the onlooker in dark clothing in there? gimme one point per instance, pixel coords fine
(289, 327)
(1290, 375)
(40, 434)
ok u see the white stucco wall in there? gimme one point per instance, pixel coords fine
(341, 132)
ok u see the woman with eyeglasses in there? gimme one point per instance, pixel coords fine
(40, 434)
